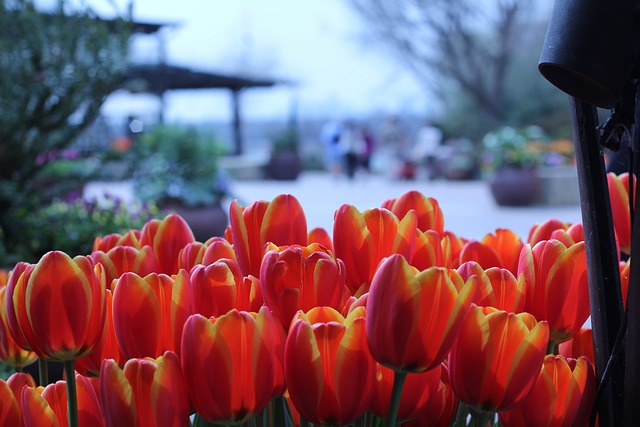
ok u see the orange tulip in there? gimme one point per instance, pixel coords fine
(568, 234)
(228, 364)
(297, 277)
(10, 352)
(580, 345)
(321, 236)
(440, 408)
(10, 406)
(217, 288)
(362, 240)
(4, 277)
(167, 238)
(620, 211)
(217, 248)
(281, 222)
(108, 242)
(124, 259)
(496, 358)
(417, 391)
(107, 347)
(556, 286)
(453, 248)
(149, 312)
(328, 369)
(430, 250)
(48, 406)
(501, 249)
(497, 287)
(430, 216)
(402, 333)
(59, 306)
(562, 395)
(146, 393)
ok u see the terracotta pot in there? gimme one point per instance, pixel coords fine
(512, 186)
(204, 221)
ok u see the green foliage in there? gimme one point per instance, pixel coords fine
(512, 147)
(57, 69)
(178, 164)
(72, 227)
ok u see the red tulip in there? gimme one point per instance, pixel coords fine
(620, 210)
(296, 278)
(281, 222)
(59, 306)
(10, 352)
(108, 242)
(321, 236)
(401, 333)
(10, 407)
(149, 312)
(362, 240)
(124, 259)
(562, 395)
(167, 238)
(580, 345)
(417, 391)
(146, 393)
(501, 249)
(430, 250)
(556, 286)
(48, 406)
(430, 216)
(107, 347)
(441, 406)
(217, 248)
(328, 369)
(625, 272)
(568, 234)
(228, 364)
(497, 287)
(453, 247)
(217, 288)
(496, 358)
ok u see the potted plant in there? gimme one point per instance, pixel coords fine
(284, 162)
(512, 161)
(177, 168)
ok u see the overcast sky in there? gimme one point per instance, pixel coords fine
(314, 43)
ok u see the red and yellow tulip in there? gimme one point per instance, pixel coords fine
(228, 364)
(217, 288)
(562, 395)
(497, 287)
(297, 277)
(11, 353)
(156, 304)
(362, 240)
(167, 238)
(328, 369)
(496, 358)
(59, 306)
(124, 259)
(620, 210)
(581, 344)
(441, 406)
(413, 317)
(430, 216)
(281, 222)
(145, 393)
(556, 286)
(48, 406)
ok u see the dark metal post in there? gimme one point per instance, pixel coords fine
(632, 350)
(602, 260)
(237, 124)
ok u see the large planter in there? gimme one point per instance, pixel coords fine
(205, 221)
(284, 165)
(512, 186)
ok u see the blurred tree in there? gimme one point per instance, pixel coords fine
(57, 69)
(466, 52)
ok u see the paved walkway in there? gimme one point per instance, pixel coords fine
(469, 209)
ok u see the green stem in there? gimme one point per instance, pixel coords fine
(303, 422)
(481, 419)
(43, 372)
(396, 393)
(72, 400)
(461, 415)
(552, 347)
(279, 411)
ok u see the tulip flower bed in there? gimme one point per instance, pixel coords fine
(388, 320)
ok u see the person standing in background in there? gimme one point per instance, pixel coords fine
(427, 144)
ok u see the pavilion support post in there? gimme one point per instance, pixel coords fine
(602, 260)
(237, 121)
